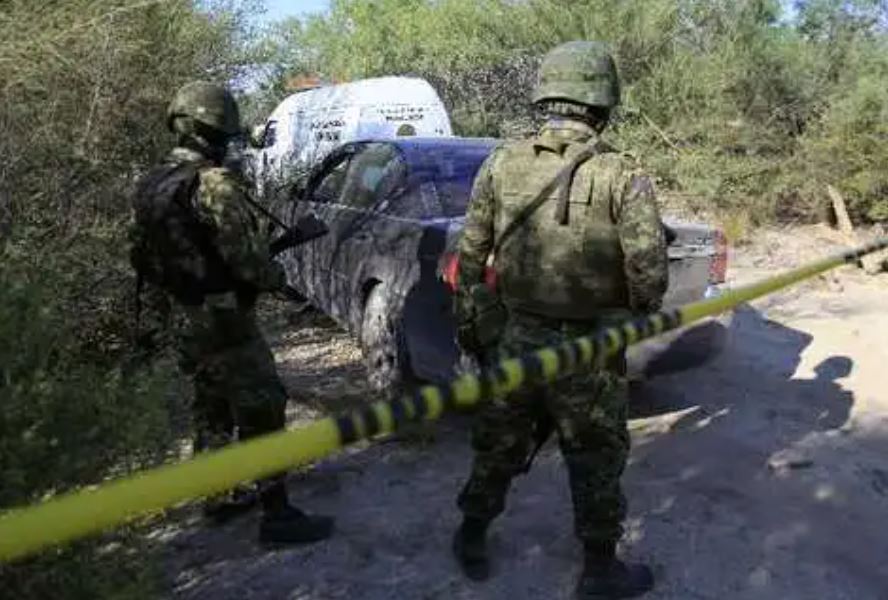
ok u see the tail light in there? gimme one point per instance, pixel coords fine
(718, 268)
(450, 272)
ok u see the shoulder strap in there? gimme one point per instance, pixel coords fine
(566, 176)
(563, 179)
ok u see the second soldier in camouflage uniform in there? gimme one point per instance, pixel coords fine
(587, 259)
(196, 238)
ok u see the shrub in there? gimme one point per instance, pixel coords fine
(733, 104)
(85, 84)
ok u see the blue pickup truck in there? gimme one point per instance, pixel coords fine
(385, 271)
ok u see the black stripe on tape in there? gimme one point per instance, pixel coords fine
(371, 421)
(399, 412)
(420, 405)
(448, 398)
(533, 367)
(485, 384)
(348, 433)
(599, 345)
(567, 356)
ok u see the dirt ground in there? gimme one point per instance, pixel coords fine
(763, 474)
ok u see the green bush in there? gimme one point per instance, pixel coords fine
(849, 148)
(73, 410)
(731, 104)
(85, 88)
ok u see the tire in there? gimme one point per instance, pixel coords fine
(384, 347)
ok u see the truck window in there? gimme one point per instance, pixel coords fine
(376, 171)
(331, 185)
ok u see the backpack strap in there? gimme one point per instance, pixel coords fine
(564, 178)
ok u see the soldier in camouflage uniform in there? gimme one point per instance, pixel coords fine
(196, 238)
(589, 257)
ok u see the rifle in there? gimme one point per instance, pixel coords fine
(306, 229)
(543, 427)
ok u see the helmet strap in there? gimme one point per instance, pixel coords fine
(596, 117)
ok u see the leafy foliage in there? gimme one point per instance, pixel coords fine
(730, 103)
(84, 86)
(734, 105)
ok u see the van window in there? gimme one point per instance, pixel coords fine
(270, 134)
(376, 171)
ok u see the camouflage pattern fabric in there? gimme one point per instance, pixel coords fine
(234, 375)
(610, 256)
(589, 412)
(221, 346)
(581, 72)
(562, 280)
(239, 240)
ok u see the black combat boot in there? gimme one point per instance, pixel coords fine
(283, 523)
(606, 577)
(470, 548)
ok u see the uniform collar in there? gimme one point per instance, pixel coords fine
(558, 134)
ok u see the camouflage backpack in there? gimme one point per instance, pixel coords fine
(171, 247)
(486, 315)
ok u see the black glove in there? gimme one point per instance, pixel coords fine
(306, 229)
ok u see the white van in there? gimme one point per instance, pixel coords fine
(307, 125)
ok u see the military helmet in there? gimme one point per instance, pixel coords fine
(579, 72)
(208, 104)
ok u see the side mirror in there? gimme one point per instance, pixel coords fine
(257, 137)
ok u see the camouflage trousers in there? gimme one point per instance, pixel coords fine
(236, 385)
(589, 413)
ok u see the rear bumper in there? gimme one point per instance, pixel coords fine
(685, 348)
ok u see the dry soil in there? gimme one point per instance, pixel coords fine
(763, 474)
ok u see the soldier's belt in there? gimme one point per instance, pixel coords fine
(75, 515)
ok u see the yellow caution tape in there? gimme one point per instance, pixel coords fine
(75, 515)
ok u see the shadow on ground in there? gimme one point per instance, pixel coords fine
(744, 482)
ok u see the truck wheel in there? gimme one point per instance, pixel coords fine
(383, 346)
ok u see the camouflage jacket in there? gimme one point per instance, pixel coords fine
(609, 257)
(221, 214)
